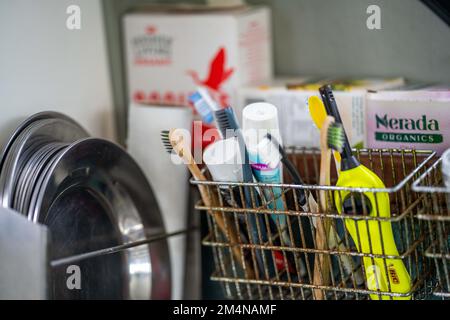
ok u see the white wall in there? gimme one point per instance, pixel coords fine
(330, 38)
(45, 66)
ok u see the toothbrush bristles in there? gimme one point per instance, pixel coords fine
(222, 118)
(226, 122)
(336, 137)
(165, 140)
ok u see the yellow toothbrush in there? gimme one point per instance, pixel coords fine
(319, 114)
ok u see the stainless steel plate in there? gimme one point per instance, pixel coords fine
(92, 196)
(26, 175)
(36, 168)
(95, 196)
(26, 144)
(25, 124)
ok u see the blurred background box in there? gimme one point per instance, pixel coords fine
(172, 49)
(290, 96)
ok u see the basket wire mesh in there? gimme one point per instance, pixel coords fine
(434, 210)
(349, 261)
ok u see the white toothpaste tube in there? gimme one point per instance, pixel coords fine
(258, 120)
(223, 160)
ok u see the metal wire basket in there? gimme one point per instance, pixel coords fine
(434, 210)
(272, 249)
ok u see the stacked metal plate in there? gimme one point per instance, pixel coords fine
(92, 195)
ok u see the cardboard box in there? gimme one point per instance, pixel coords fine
(290, 96)
(409, 119)
(171, 50)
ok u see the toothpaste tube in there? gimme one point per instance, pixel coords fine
(223, 161)
(258, 120)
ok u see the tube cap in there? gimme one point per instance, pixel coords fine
(260, 115)
(259, 119)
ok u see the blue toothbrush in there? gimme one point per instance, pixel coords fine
(229, 127)
(204, 104)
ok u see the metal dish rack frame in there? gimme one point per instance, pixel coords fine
(435, 212)
(278, 267)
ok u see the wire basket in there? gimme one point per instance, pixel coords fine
(273, 247)
(434, 210)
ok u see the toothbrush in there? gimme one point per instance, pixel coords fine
(204, 104)
(330, 139)
(318, 115)
(229, 127)
(383, 275)
(173, 140)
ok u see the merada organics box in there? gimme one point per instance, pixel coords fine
(409, 119)
(171, 50)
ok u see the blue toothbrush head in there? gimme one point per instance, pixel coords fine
(227, 122)
(202, 107)
(229, 127)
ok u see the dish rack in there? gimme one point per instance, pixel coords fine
(434, 211)
(267, 264)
